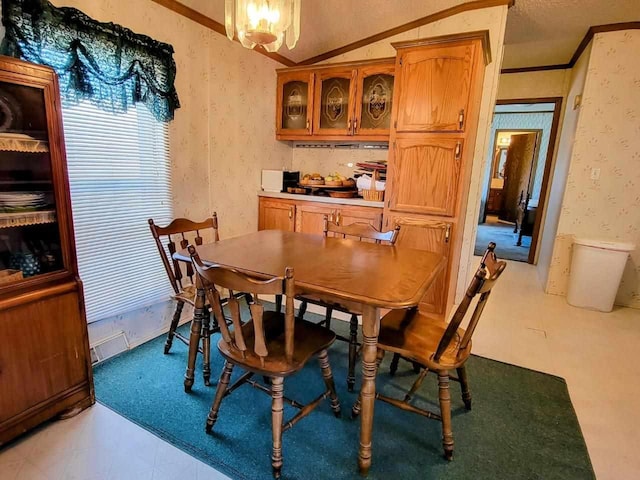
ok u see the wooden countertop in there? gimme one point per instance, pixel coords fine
(314, 198)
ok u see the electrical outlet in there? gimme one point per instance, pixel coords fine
(595, 173)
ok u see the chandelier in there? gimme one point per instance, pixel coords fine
(263, 22)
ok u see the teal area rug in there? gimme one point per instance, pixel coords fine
(522, 425)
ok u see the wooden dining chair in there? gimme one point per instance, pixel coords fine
(270, 344)
(437, 346)
(178, 235)
(359, 231)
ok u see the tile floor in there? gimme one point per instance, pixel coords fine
(594, 352)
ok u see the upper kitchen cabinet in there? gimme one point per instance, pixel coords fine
(435, 86)
(294, 110)
(374, 98)
(339, 102)
(334, 97)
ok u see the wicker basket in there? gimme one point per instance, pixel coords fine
(10, 276)
(372, 194)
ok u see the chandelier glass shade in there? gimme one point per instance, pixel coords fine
(263, 22)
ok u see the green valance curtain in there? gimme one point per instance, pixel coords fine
(107, 64)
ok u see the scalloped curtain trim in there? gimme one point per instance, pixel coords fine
(105, 63)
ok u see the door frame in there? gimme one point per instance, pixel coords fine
(546, 177)
(536, 154)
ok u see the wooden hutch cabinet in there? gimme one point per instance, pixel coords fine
(45, 367)
(435, 116)
(339, 102)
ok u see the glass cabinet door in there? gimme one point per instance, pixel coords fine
(374, 100)
(334, 102)
(295, 103)
(29, 233)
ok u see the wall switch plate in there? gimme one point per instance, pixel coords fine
(595, 173)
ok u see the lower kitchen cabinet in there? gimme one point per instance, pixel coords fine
(276, 215)
(423, 233)
(307, 216)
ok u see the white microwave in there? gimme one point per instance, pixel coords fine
(279, 180)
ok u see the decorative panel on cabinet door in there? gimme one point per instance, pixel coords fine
(310, 218)
(434, 86)
(425, 175)
(276, 215)
(294, 108)
(374, 99)
(43, 352)
(434, 236)
(334, 97)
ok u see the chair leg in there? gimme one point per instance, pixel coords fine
(416, 385)
(323, 359)
(172, 328)
(393, 368)
(206, 348)
(464, 383)
(353, 348)
(302, 310)
(445, 412)
(279, 303)
(357, 407)
(277, 392)
(327, 317)
(225, 376)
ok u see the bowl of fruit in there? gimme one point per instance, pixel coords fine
(334, 180)
(312, 179)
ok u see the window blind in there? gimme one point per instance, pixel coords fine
(119, 176)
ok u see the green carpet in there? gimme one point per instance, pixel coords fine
(522, 425)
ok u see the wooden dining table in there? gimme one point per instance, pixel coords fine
(363, 276)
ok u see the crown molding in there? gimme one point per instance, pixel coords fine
(465, 7)
(611, 27)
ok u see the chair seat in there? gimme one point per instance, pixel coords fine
(187, 294)
(315, 300)
(309, 339)
(416, 337)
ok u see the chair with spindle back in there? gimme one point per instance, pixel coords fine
(178, 235)
(360, 231)
(271, 344)
(437, 346)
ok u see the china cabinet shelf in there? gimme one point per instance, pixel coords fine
(20, 142)
(23, 219)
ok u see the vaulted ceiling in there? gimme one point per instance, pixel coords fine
(539, 32)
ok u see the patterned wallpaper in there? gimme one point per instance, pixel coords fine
(523, 121)
(546, 83)
(607, 137)
(492, 19)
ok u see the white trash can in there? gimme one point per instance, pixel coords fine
(596, 271)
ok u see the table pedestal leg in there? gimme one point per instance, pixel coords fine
(370, 330)
(194, 338)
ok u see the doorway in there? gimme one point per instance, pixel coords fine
(516, 177)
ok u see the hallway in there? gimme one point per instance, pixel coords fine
(493, 230)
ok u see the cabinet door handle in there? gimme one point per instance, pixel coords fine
(349, 131)
(338, 217)
(461, 119)
(290, 212)
(308, 125)
(458, 151)
(447, 233)
(355, 126)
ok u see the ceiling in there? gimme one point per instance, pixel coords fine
(539, 32)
